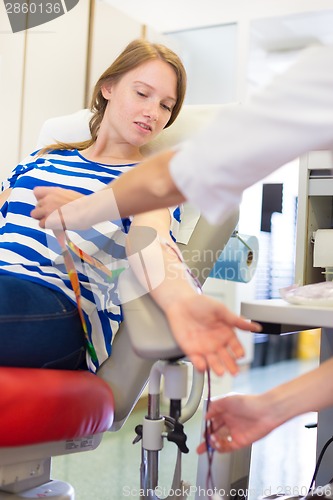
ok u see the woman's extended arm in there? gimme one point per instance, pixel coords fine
(202, 326)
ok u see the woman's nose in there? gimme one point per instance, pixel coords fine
(151, 112)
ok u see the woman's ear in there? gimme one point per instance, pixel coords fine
(106, 91)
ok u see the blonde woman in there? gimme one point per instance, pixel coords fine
(139, 95)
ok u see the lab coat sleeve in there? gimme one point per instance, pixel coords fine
(246, 142)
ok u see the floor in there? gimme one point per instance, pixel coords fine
(284, 461)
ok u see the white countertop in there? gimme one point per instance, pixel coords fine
(280, 312)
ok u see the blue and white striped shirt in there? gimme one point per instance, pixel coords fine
(33, 253)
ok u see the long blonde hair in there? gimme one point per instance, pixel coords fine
(136, 53)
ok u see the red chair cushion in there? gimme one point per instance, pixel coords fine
(40, 405)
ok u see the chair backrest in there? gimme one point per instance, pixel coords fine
(144, 336)
(75, 127)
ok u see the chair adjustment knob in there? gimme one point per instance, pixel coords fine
(178, 436)
(138, 432)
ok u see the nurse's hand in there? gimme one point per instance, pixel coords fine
(57, 207)
(237, 421)
(204, 329)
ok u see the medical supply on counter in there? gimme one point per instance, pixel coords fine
(238, 260)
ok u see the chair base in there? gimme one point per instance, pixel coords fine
(55, 490)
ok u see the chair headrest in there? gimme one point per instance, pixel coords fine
(75, 127)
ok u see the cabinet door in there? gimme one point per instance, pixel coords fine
(55, 75)
(11, 84)
(111, 32)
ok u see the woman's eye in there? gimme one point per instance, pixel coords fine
(141, 94)
(168, 108)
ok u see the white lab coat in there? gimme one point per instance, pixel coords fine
(246, 142)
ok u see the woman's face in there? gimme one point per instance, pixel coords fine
(140, 103)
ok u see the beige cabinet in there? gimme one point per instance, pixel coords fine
(11, 85)
(50, 70)
(111, 31)
(55, 71)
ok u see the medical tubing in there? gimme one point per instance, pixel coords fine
(175, 409)
(210, 485)
(326, 445)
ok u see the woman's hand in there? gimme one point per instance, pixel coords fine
(204, 329)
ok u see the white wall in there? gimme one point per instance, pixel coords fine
(174, 15)
(208, 54)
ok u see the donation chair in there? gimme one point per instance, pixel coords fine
(44, 412)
